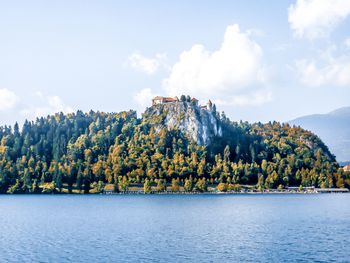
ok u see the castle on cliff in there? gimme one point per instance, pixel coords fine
(158, 100)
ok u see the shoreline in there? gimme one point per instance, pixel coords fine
(181, 193)
(224, 193)
(245, 190)
(178, 193)
(140, 191)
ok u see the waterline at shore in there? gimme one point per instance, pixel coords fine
(271, 191)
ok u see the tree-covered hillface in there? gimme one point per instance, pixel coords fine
(83, 152)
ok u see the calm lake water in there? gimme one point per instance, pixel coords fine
(175, 228)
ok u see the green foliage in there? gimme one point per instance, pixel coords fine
(201, 185)
(175, 187)
(14, 189)
(100, 186)
(147, 188)
(222, 187)
(124, 184)
(234, 187)
(161, 186)
(188, 185)
(48, 188)
(80, 152)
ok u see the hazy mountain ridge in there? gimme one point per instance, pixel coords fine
(333, 128)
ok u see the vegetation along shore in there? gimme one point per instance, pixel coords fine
(177, 145)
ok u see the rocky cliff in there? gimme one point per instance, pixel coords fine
(200, 124)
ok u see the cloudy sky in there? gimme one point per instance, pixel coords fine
(257, 60)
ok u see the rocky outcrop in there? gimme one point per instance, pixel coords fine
(200, 124)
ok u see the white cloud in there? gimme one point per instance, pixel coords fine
(147, 65)
(144, 96)
(255, 32)
(56, 105)
(222, 74)
(347, 42)
(308, 73)
(39, 94)
(317, 18)
(335, 72)
(52, 105)
(256, 98)
(8, 99)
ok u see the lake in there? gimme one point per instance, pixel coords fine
(175, 228)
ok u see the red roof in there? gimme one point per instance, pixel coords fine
(165, 99)
(346, 168)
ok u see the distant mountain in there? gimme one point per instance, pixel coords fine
(333, 128)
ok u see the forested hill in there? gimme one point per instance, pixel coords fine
(333, 128)
(83, 152)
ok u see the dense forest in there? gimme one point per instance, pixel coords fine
(86, 152)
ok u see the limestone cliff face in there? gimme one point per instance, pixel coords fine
(197, 123)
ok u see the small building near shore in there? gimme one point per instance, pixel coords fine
(304, 188)
(346, 168)
(332, 190)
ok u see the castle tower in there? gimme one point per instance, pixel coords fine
(209, 105)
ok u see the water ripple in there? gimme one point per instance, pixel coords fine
(264, 228)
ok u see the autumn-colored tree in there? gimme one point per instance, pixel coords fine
(147, 187)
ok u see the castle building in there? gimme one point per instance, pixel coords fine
(162, 100)
(194, 101)
(158, 100)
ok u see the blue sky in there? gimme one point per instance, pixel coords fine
(257, 60)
